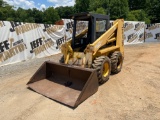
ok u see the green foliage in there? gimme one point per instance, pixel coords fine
(134, 10)
(21, 15)
(3, 3)
(100, 11)
(35, 15)
(131, 17)
(6, 11)
(51, 16)
(65, 11)
(150, 7)
(138, 15)
(154, 11)
(82, 6)
(137, 4)
(147, 20)
(96, 4)
(115, 8)
(119, 9)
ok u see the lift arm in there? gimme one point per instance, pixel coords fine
(114, 33)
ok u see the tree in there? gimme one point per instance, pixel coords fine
(21, 15)
(100, 11)
(131, 17)
(50, 16)
(138, 15)
(81, 6)
(97, 4)
(119, 9)
(3, 3)
(6, 11)
(64, 12)
(115, 8)
(153, 10)
(144, 10)
(137, 4)
(36, 14)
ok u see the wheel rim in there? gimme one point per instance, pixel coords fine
(105, 69)
(119, 64)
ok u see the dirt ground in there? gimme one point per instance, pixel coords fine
(133, 94)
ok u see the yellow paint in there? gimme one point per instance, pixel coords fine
(105, 69)
(114, 36)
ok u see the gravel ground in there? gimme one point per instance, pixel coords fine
(133, 94)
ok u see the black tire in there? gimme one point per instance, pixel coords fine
(103, 66)
(116, 62)
(61, 59)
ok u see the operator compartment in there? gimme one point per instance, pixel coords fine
(85, 31)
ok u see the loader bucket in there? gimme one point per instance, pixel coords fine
(65, 84)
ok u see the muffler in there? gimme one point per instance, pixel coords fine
(65, 84)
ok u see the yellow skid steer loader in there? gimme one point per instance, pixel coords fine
(88, 60)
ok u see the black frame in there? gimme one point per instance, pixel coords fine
(91, 18)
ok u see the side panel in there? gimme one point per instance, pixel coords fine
(113, 35)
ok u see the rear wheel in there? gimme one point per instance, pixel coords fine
(103, 66)
(116, 62)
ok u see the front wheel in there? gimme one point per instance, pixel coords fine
(103, 66)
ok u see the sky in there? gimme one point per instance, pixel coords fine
(40, 4)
